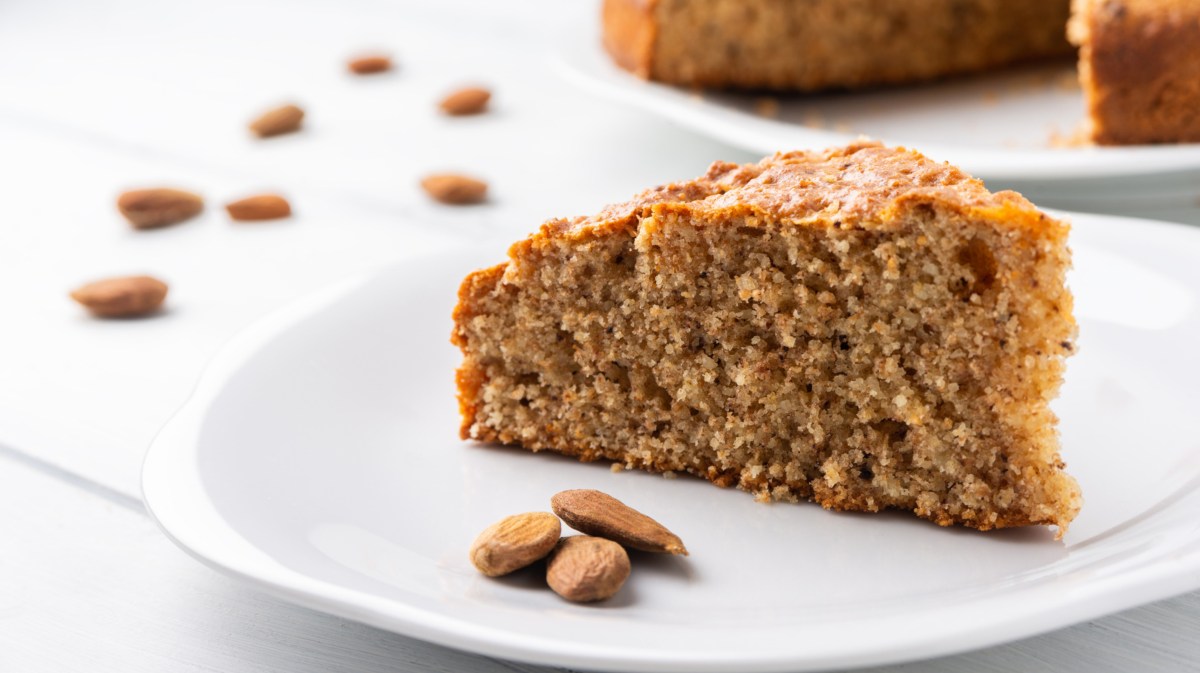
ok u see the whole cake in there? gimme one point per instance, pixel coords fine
(1139, 63)
(863, 327)
(807, 45)
(1139, 60)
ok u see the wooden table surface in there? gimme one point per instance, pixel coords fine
(101, 97)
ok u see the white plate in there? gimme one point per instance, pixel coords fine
(996, 126)
(319, 460)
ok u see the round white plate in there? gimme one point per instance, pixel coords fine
(319, 460)
(998, 126)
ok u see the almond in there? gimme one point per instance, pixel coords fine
(370, 64)
(260, 207)
(597, 513)
(284, 119)
(583, 568)
(468, 101)
(515, 542)
(124, 297)
(455, 189)
(153, 208)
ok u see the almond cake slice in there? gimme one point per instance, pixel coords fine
(862, 327)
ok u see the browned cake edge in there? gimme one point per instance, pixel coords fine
(629, 32)
(1139, 65)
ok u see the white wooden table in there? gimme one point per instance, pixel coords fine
(99, 97)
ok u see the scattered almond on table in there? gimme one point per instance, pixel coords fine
(277, 121)
(370, 64)
(122, 297)
(158, 207)
(580, 568)
(259, 207)
(455, 189)
(466, 101)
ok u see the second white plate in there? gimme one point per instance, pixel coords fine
(319, 460)
(998, 126)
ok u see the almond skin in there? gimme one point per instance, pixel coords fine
(280, 120)
(260, 207)
(583, 568)
(370, 64)
(515, 542)
(455, 189)
(159, 207)
(467, 101)
(123, 297)
(597, 513)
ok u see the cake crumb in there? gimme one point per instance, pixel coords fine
(1080, 136)
(767, 106)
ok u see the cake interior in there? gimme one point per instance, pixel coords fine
(905, 363)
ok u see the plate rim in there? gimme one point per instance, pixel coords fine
(199, 529)
(583, 63)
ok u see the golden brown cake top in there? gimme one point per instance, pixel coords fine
(862, 185)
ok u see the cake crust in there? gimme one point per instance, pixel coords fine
(683, 373)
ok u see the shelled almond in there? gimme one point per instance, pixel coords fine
(122, 297)
(596, 513)
(277, 121)
(158, 207)
(455, 189)
(370, 64)
(515, 542)
(466, 101)
(259, 207)
(584, 569)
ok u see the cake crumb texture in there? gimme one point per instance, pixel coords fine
(862, 327)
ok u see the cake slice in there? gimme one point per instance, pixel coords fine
(862, 327)
(1139, 64)
(809, 45)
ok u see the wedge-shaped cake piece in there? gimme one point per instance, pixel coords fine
(863, 327)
